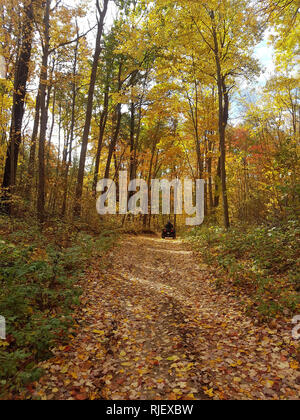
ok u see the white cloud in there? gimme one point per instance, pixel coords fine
(264, 52)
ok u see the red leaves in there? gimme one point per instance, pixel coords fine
(79, 394)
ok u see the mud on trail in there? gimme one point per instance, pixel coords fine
(152, 325)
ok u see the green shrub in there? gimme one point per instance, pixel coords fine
(263, 260)
(39, 291)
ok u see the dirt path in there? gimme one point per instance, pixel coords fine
(153, 326)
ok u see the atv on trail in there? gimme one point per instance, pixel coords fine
(169, 231)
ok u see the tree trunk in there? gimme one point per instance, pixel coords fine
(223, 155)
(132, 144)
(74, 95)
(209, 170)
(115, 135)
(113, 140)
(44, 116)
(223, 119)
(149, 182)
(86, 132)
(217, 184)
(32, 153)
(21, 76)
(103, 121)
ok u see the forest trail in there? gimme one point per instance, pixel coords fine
(153, 326)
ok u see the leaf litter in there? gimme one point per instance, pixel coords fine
(152, 325)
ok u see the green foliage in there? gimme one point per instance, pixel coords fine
(39, 291)
(263, 261)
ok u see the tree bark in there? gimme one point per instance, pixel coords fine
(32, 153)
(209, 170)
(132, 144)
(44, 116)
(217, 184)
(149, 179)
(20, 82)
(115, 135)
(69, 152)
(103, 121)
(223, 119)
(86, 132)
(113, 140)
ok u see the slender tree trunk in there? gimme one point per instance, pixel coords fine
(21, 76)
(74, 95)
(56, 176)
(44, 116)
(103, 121)
(197, 138)
(132, 143)
(53, 119)
(209, 170)
(137, 137)
(113, 140)
(223, 156)
(223, 119)
(205, 169)
(86, 132)
(194, 115)
(32, 153)
(217, 184)
(149, 182)
(115, 135)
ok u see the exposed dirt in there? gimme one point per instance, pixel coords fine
(154, 326)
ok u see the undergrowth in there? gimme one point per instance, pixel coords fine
(40, 273)
(263, 261)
